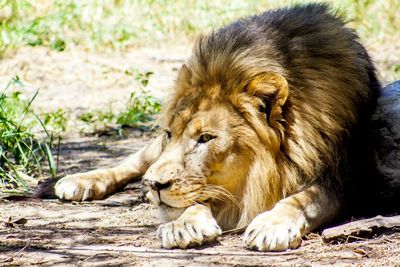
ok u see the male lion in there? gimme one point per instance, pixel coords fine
(262, 131)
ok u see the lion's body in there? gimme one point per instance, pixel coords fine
(332, 89)
(268, 110)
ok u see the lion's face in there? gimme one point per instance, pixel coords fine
(219, 148)
(203, 158)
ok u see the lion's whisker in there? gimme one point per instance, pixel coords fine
(220, 193)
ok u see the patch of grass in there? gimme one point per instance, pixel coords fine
(122, 24)
(60, 24)
(139, 109)
(55, 121)
(141, 106)
(24, 140)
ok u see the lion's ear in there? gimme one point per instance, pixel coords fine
(184, 75)
(272, 91)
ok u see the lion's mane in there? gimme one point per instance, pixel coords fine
(328, 89)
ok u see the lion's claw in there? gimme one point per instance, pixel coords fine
(270, 233)
(189, 231)
(78, 188)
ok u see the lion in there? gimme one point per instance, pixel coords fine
(261, 132)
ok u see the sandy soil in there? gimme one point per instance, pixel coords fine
(78, 81)
(120, 230)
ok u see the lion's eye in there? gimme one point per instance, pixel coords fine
(167, 135)
(204, 138)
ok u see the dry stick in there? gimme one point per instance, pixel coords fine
(9, 259)
(95, 255)
(234, 231)
(177, 253)
(361, 228)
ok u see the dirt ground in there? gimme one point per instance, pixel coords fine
(120, 230)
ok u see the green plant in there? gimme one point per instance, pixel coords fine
(22, 147)
(141, 106)
(57, 121)
(97, 120)
(139, 109)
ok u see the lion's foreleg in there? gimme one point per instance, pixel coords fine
(194, 227)
(96, 184)
(282, 227)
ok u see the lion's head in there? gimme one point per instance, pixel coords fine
(220, 138)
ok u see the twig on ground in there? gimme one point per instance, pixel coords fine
(361, 229)
(95, 255)
(10, 259)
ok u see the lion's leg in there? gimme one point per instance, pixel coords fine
(96, 184)
(195, 226)
(282, 227)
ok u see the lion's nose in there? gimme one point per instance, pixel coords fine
(157, 186)
(160, 186)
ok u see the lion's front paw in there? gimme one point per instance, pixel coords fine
(80, 187)
(188, 232)
(268, 232)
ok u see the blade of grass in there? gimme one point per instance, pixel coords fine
(52, 165)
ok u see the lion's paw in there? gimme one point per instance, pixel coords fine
(188, 232)
(270, 233)
(80, 188)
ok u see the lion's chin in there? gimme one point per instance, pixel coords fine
(167, 213)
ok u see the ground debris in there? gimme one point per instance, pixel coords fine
(10, 223)
(361, 229)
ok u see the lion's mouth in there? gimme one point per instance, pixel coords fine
(151, 196)
(155, 198)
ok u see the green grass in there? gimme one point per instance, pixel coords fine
(26, 138)
(142, 106)
(25, 141)
(122, 24)
(62, 24)
(138, 110)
